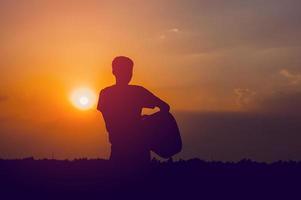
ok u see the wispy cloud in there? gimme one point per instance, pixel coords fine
(293, 79)
(168, 33)
(174, 30)
(244, 96)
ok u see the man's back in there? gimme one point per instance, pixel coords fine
(121, 107)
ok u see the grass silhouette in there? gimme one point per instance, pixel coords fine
(195, 178)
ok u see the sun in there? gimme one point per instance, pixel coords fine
(83, 98)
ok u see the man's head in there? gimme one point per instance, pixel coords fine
(122, 69)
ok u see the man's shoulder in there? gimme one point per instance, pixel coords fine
(141, 90)
(113, 88)
(108, 88)
(138, 87)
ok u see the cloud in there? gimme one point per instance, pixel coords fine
(244, 96)
(214, 26)
(273, 97)
(293, 79)
(168, 33)
(174, 30)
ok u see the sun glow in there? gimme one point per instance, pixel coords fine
(83, 98)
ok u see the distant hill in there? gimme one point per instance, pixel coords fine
(191, 179)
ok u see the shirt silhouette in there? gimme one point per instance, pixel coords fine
(121, 106)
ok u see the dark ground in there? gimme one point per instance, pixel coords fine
(191, 179)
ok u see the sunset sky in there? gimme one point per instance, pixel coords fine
(231, 71)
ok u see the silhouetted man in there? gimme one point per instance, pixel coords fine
(121, 106)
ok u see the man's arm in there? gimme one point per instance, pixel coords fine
(108, 118)
(162, 105)
(100, 101)
(152, 101)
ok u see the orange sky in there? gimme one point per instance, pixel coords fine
(197, 55)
